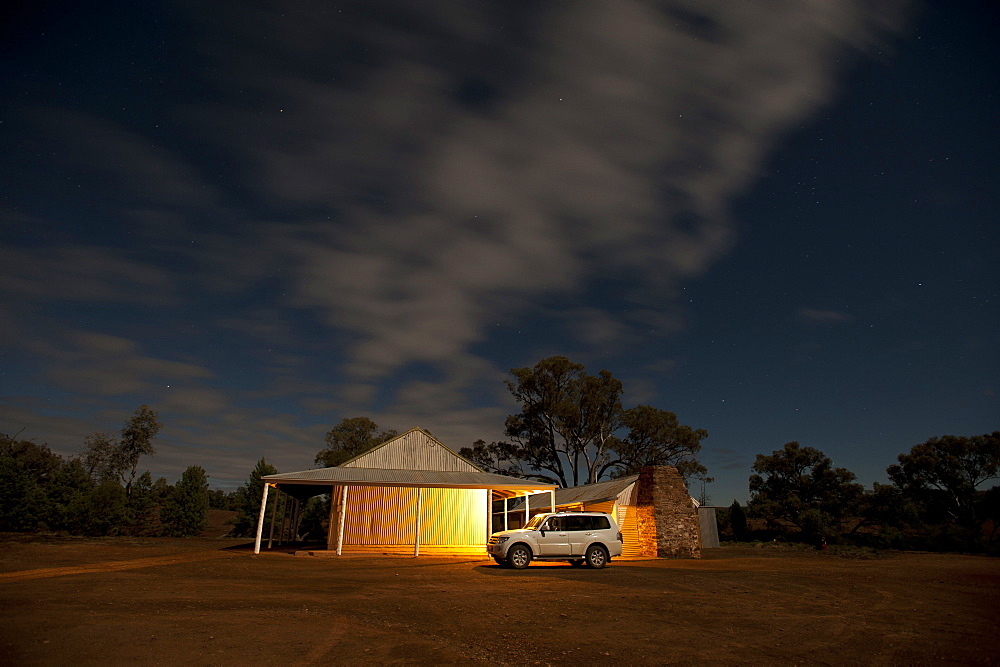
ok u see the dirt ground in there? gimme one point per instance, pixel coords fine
(201, 601)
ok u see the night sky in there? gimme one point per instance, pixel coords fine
(777, 220)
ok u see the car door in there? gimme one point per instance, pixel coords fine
(582, 531)
(553, 539)
(579, 536)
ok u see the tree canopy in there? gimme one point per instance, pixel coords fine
(106, 457)
(946, 471)
(186, 511)
(250, 497)
(572, 430)
(349, 438)
(801, 486)
(656, 438)
(738, 521)
(137, 440)
(567, 422)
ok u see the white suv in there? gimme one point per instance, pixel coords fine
(578, 537)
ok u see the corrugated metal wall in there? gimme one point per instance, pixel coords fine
(709, 528)
(379, 515)
(608, 507)
(628, 523)
(628, 519)
(384, 516)
(414, 450)
(453, 516)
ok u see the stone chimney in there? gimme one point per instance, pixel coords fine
(667, 520)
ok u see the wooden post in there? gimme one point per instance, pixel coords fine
(505, 513)
(416, 527)
(274, 514)
(260, 520)
(527, 513)
(288, 525)
(489, 514)
(552, 500)
(293, 519)
(332, 520)
(343, 513)
(296, 515)
(286, 515)
(281, 523)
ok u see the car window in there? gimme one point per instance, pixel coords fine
(570, 523)
(589, 522)
(599, 522)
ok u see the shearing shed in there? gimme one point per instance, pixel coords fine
(411, 494)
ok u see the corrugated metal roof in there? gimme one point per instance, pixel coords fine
(389, 477)
(590, 493)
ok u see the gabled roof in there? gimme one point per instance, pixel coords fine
(595, 493)
(412, 459)
(415, 449)
(591, 493)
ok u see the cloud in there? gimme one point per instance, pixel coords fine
(724, 458)
(413, 175)
(105, 365)
(119, 222)
(82, 273)
(143, 174)
(597, 141)
(819, 316)
(43, 421)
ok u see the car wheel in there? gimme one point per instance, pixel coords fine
(519, 556)
(597, 556)
(577, 562)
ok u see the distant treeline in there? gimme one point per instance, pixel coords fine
(934, 502)
(101, 492)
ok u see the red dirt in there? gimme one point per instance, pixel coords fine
(196, 602)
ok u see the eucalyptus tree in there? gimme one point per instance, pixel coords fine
(565, 431)
(944, 473)
(572, 429)
(106, 457)
(656, 437)
(800, 486)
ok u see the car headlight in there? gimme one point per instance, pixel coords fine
(502, 539)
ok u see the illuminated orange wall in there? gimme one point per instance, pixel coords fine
(384, 516)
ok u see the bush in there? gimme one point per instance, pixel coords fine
(99, 512)
(250, 494)
(21, 501)
(186, 512)
(315, 518)
(142, 510)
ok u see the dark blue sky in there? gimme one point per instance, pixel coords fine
(777, 220)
